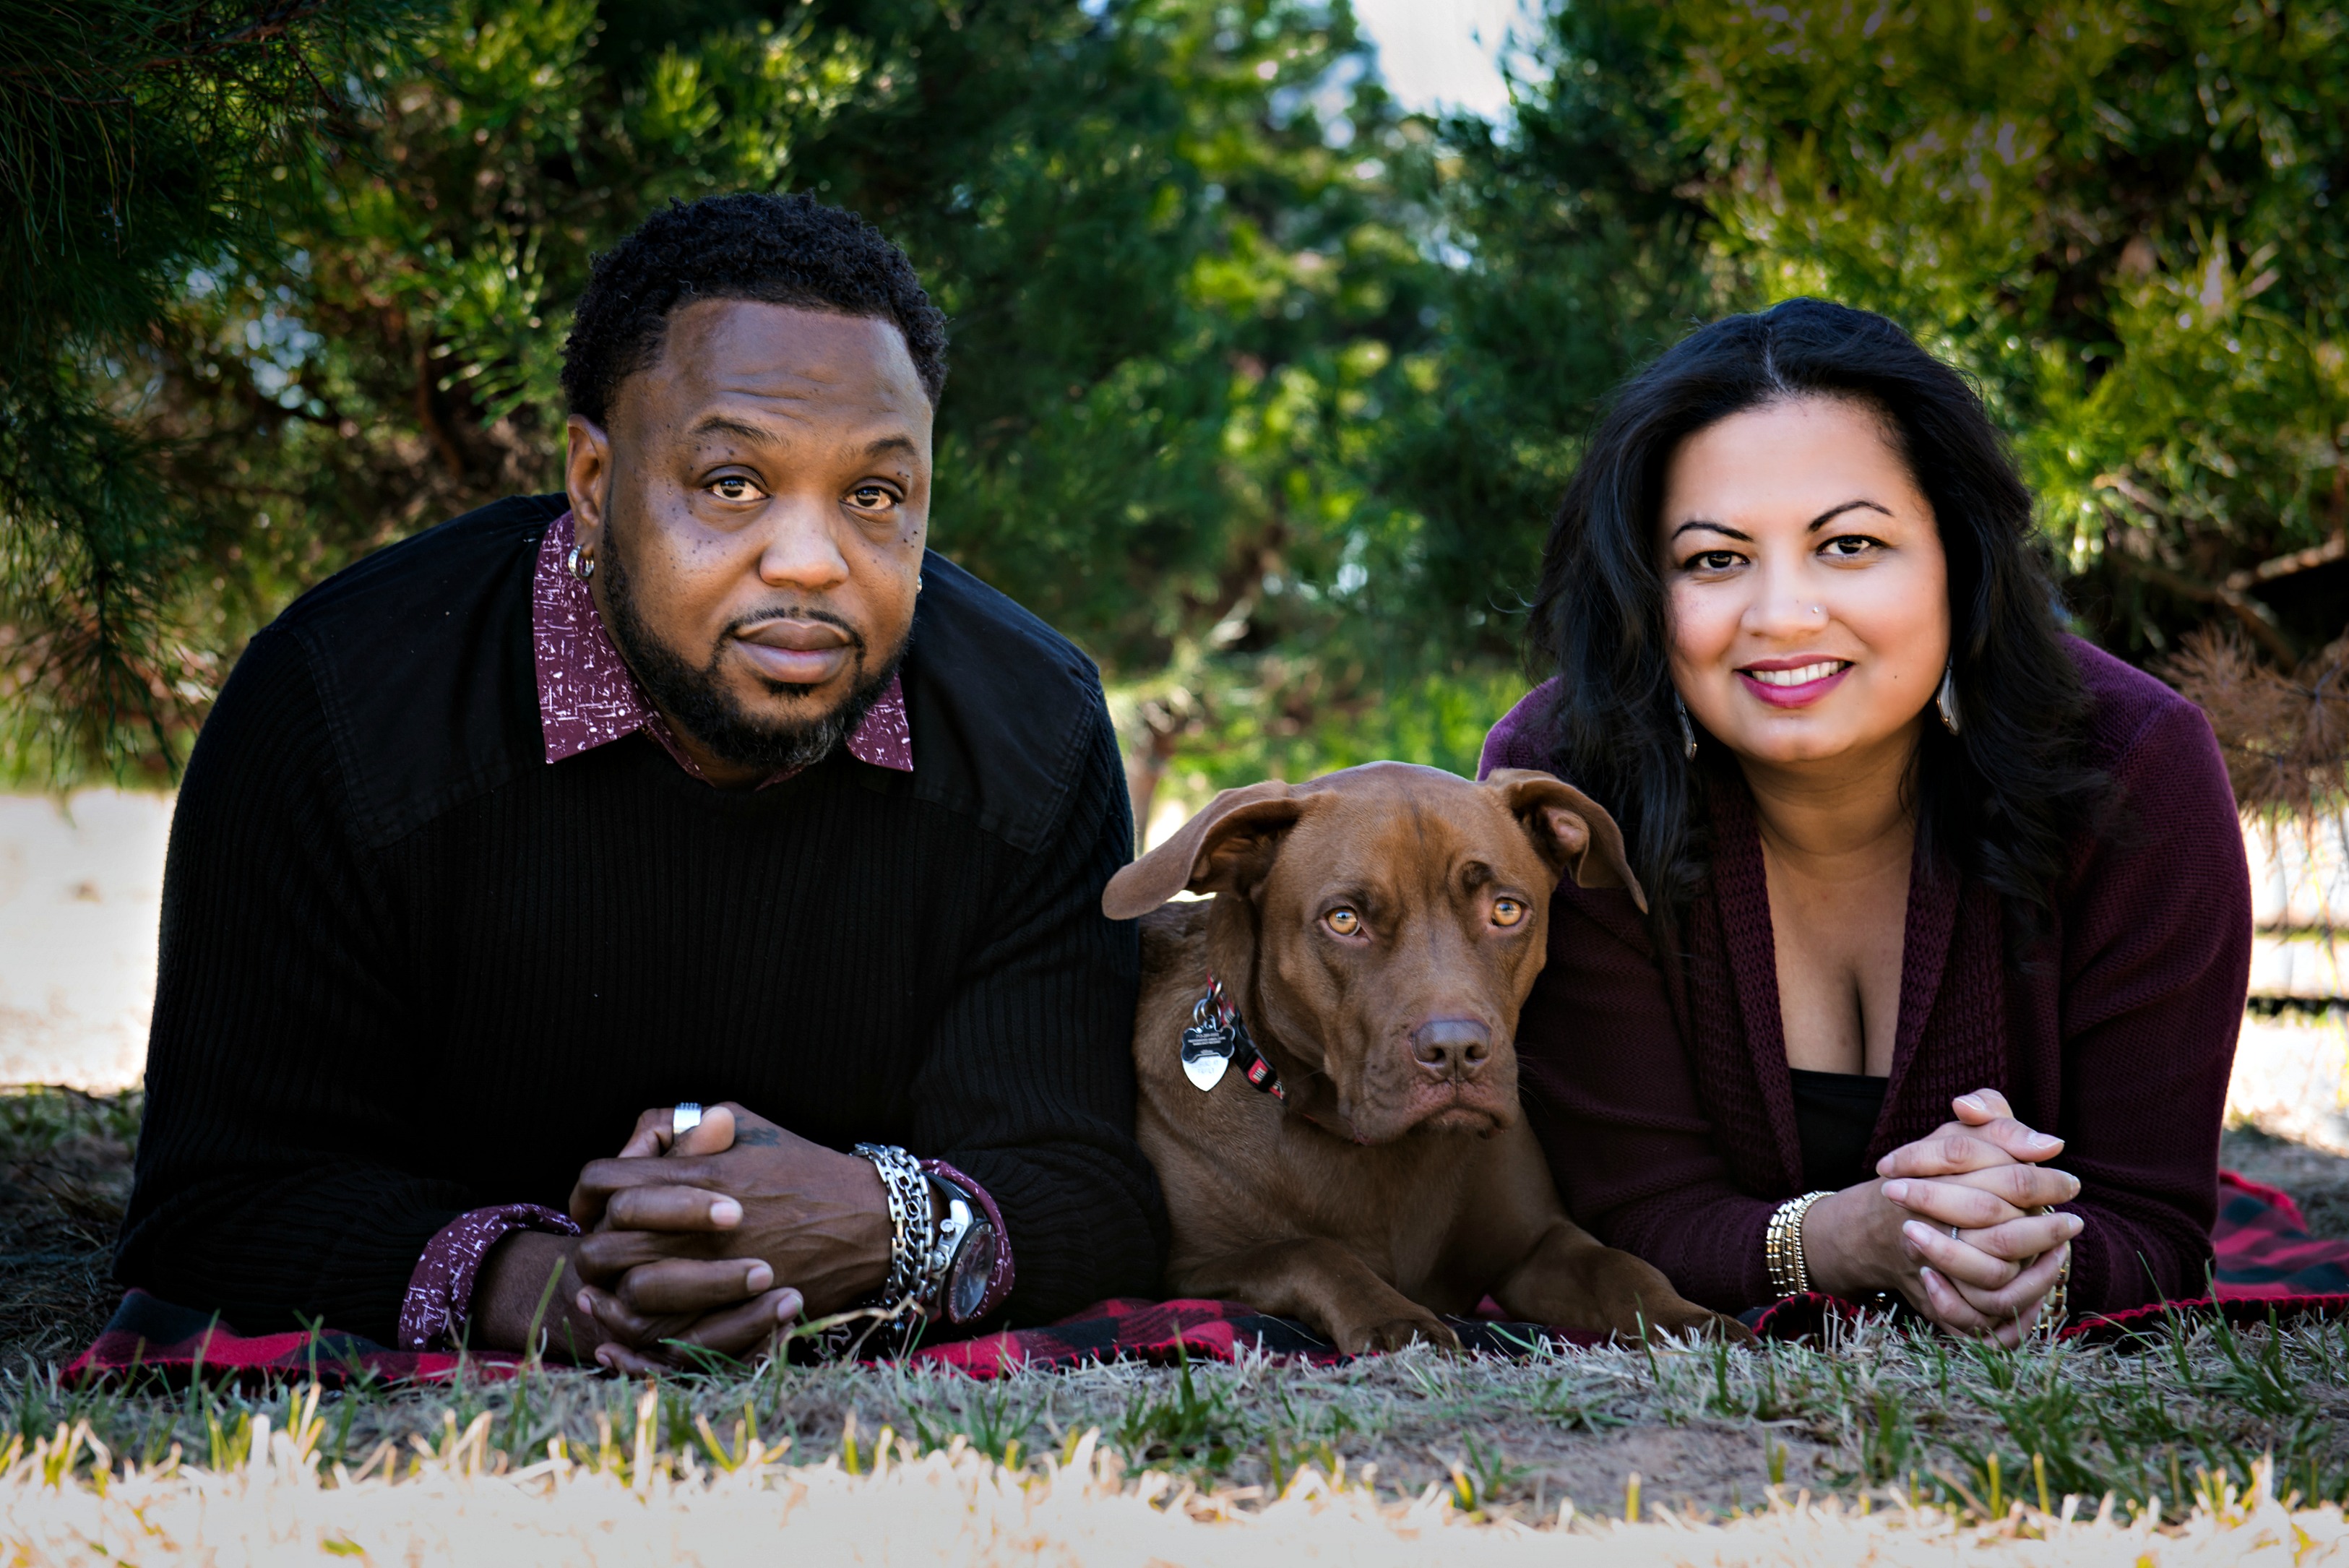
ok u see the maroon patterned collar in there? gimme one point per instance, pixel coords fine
(587, 697)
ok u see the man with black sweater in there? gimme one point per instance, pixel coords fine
(703, 781)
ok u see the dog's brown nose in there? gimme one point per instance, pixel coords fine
(1452, 1047)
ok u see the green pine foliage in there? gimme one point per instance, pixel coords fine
(1173, 262)
(138, 142)
(1262, 389)
(2124, 217)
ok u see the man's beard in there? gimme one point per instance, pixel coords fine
(698, 700)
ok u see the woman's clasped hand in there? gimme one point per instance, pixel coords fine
(1959, 1222)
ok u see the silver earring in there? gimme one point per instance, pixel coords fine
(1687, 731)
(1948, 699)
(579, 564)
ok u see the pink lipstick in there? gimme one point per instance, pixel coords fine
(1795, 682)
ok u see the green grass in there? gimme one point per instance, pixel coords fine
(1887, 1414)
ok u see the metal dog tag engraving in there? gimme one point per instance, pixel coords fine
(1207, 1053)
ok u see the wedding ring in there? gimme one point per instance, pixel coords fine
(1953, 1232)
(687, 1117)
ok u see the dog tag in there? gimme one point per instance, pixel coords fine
(1207, 1053)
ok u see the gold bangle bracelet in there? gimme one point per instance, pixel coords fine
(2056, 1304)
(2059, 1298)
(1782, 1246)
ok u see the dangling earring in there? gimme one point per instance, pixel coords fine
(579, 564)
(1687, 731)
(1948, 699)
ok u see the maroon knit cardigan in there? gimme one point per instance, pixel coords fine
(1664, 1103)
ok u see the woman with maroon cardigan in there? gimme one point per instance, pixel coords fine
(1951, 923)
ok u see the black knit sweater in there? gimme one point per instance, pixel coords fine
(409, 968)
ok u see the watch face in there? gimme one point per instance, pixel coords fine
(974, 1266)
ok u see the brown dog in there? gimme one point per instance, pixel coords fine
(1329, 1077)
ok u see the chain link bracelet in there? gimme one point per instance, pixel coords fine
(913, 1224)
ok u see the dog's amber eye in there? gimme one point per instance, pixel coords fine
(1507, 911)
(1345, 923)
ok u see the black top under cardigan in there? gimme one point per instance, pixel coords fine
(409, 968)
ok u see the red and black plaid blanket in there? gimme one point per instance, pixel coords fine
(2266, 1263)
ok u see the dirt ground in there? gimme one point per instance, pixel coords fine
(2318, 1181)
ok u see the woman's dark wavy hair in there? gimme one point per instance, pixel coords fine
(2002, 798)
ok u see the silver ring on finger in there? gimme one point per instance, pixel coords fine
(1953, 1232)
(687, 1117)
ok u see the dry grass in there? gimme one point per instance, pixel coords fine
(1887, 1420)
(1889, 1417)
(64, 1175)
(275, 1499)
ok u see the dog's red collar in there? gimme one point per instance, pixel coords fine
(1218, 1039)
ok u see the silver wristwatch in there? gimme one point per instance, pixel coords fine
(962, 1254)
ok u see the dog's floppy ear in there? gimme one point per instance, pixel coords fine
(1207, 853)
(1571, 830)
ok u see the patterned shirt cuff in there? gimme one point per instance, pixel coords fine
(998, 1282)
(440, 1290)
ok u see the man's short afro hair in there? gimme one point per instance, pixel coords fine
(782, 250)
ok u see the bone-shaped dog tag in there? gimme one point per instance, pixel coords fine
(1207, 1053)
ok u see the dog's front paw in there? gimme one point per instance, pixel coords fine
(1691, 1319)
(1356, 1339)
